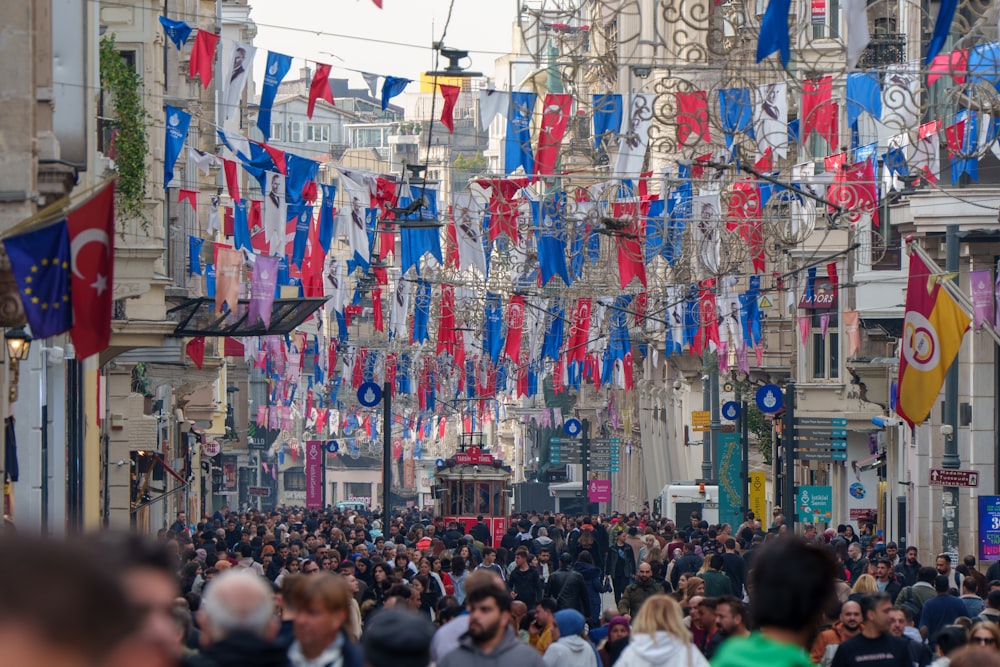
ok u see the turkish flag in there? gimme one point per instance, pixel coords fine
(818, 110)
(692, 116)
(196, 350)
(92, 259)
(515, 327)
(202, 56)
(319, 88)
(377, 306)
(450, 95)
(579, 332)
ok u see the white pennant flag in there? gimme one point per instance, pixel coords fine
(203, 162)
(356, 185)
(491, 103)
(771, 118)
(469, 213)
(335, 284)
(926, 158)
(400, 308)
(635, 140)
(275, 213)
(534, 320)
(213, 215)
(708, 232)
(858, 35)
(901, 97)
(238, 67)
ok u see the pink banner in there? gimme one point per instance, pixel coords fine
(315, 471)
(982, 296)
(599, 491)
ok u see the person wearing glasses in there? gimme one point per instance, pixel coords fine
(985, 634)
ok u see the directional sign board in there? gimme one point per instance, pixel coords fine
(942, 477)
(820, 455)
(701, 420)
(822, 422)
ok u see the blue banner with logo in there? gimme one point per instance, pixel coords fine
(278, 65)
(177, 128)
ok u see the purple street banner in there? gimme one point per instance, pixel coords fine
(981, 281)
(315, 469)
(599, 491)
(989, 527)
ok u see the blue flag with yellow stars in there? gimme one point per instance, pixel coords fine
(40, 262)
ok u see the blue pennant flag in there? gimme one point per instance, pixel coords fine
(421, 311)
(966, 161)
(863, 94)
(176, 31)
(607, 116)
(300, 170)
(415, 242)
(654, 229)
(343, 333)
(210, 281)
(750, 313)
(793, 130)
(678, 213)
(551, 238)
(942, 26)
(517, 143)
(39, 261)
(692, 316)
(177, 128)
(736, 110)
(403, 374)
(774, 31)
(303, 218)
(326, 220)
(619, 343)
(194, 255)
(494, 327)
(554, 327)
(895, 161)
(241, 226)
(984, 64)
(277, 67)
(392, 86)
(532, 379)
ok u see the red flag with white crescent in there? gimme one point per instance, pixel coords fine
(579, 332)
(555, 117)
(92, 258)
(515, 327)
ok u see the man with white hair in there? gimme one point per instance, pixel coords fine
(238, 623)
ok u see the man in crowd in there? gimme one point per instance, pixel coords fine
(856, 563)
(490, 639)
(899, 624)
(730, 614)
(940, 610)
(542, 628)
(848, 625)
(639, 591)
(884, 580)
(874, 646)
(716, 583)
(619, 564)
(974, 604)
(524, 582)
(734, 566)
(322, 605)
(568, 588)
(943, 565)
(704, 626)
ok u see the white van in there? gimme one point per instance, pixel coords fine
(678, 500)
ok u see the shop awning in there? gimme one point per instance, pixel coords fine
(197, 317)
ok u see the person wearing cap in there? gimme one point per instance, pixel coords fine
(398, 638)
(571, 648)
(619, 634)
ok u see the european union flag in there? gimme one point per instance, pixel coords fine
(40, 261)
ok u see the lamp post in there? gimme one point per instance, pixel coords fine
(18, 344)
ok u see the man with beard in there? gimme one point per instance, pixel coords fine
(874, 646)
(848, 625)
(730, 614)
(490, 641)
(920, 655)
(639, 591)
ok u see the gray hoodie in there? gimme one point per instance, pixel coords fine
(510, 651)
(572, 650)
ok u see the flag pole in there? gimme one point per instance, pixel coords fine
(949, 286)
(57, 209)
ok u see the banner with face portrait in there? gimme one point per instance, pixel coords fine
(238, 65)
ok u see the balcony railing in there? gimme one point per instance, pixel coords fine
(884, 49)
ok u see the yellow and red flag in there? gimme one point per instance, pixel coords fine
(933, 328)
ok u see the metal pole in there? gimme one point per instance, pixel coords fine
(788, 440)
(951, 460)
(745, 465)
(706, 438)
(43, 395)
(74, 444)
(386, 452)
(585, 460)
(715, 425)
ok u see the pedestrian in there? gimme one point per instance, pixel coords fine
(659, 638)
(593, 583)
(619, 565)
(791, 583)
(543, 628)
(239, 623)
(322, 605)
(619, 635)
(398, 638)
(636, 593)
(571, 648)
(985, 634)
(974, 604)
(716, 583)
(949, 639)
(524, 581)
(874, 646)
(731, 615)
(913, 597)
(848, 625)
(973, 656)
(939, 611)
(490, 641)
(568, 588)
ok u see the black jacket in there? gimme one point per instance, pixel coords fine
(612, 559)
(528, 586)
(241, 650)
(689, 563)
(569, 591)
(481, 532)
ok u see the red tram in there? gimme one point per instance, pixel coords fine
(474, 483)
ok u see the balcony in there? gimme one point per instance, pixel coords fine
(884, 49)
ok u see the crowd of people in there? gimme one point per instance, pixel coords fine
(346, 589)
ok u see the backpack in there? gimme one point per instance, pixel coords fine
(911, 603)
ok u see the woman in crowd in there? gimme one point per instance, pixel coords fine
(659, 638)
(619, 633)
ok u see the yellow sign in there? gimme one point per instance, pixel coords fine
(701, 420)
(429, 84)
(758, 495)
(764, 303)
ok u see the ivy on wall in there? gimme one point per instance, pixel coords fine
(124, 86)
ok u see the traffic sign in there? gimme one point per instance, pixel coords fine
(369, 394)
(839, 433)
(701, 420)
(332, 446)
(572, 427)
(731, 410)
(821, 444)
(828, 422)
(769, 398)
(943, 477)
(821, 455)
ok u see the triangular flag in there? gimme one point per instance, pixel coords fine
(196, 350)
(450, 95)
(319, 88)
(203, 57)
(190, 196)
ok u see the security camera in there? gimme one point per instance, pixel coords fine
(678, 385)
(947, 430)
(475, 470)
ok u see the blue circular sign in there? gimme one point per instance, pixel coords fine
(730, 410)
(439, 463)
(769, 398)
(332, 446)
(369, 394)
(572, 427)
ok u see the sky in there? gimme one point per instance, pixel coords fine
(315, 29)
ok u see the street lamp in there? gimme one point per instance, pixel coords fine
(18, 343)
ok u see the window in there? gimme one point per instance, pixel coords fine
(295, 132)
(107, 126)
(825, 18)
(824, 352)
(318, 132)
(295, 480)
(277, 132)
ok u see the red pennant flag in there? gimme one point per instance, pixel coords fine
(819, 111)
(451, 257)
(227, 221)
(450, 95)
(631, 258)
(190, 196)
(233, 348)
(555, 117)
(515, 327)
(92, 259)
(255, 220)
(955, 136)
(503, 205)
(628, 370)
(377, 307)
(579, 331)
(232, 179)
(196, 350)
(446, 321)
(277, 156)
(378, 3)
(955, 64)
(860, 179)
(319, 88)
(692, 116)
(203, 57)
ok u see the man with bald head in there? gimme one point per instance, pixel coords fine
(238, 623)
(848, 625)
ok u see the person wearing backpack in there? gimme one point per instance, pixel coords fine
(913, 597)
